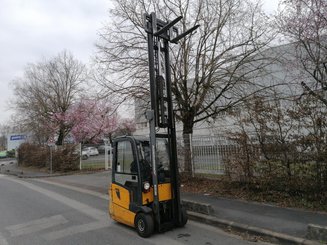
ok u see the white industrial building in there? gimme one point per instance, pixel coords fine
(280, 72)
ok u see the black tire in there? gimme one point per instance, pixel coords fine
(144, 224)
(184, 217)
(84, 157)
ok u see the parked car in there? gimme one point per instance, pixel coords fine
(90, 151)
(3, 154)
(84, 155)
(101, 149)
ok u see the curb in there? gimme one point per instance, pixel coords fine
(27, 175)
(267, 234)
(317, 232)
(198, 207)
(21, 174)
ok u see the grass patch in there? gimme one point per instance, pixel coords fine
(92, 166)
(258, 192)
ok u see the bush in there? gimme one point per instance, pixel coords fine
(302, 182)
(63, 157)
(32, 155)
(11, 153)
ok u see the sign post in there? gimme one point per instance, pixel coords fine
(51, 144)
(106, 148)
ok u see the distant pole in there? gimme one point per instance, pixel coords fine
(106, 156)
(106, 148)
(110, 158)
(50, 159)
(51, 144)
(80, 156)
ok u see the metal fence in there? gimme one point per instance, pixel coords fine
(95, 157)
(88, 157)
(208, 153)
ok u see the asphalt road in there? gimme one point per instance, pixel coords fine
(33, 211)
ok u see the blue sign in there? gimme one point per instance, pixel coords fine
(18, 137)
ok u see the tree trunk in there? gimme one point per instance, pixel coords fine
(187, 131)
(61, 136)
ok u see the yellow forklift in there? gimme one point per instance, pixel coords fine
(144, 192)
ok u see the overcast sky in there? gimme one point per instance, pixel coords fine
(31, 30)
(34, 29)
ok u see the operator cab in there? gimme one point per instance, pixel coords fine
(132, 164)
(131, 191)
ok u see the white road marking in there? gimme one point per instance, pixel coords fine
(3, 241)
(75, 230)
(83, 208)
(74, 188)
(36, 225)
(1, 175)
(102, 219)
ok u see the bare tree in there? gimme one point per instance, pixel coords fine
(48, 87)
(312, 115)
(211, 68)
(305, 23)
(4, 131)
(269, 125)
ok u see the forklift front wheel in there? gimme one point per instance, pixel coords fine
(144, 224)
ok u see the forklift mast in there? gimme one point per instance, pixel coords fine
(161, 115)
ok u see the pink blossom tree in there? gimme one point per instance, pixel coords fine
(89, 120)
(48, 87)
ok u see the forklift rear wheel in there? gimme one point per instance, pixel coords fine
(144, 224)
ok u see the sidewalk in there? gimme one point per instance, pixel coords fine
(286, 225)
(281, 225)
